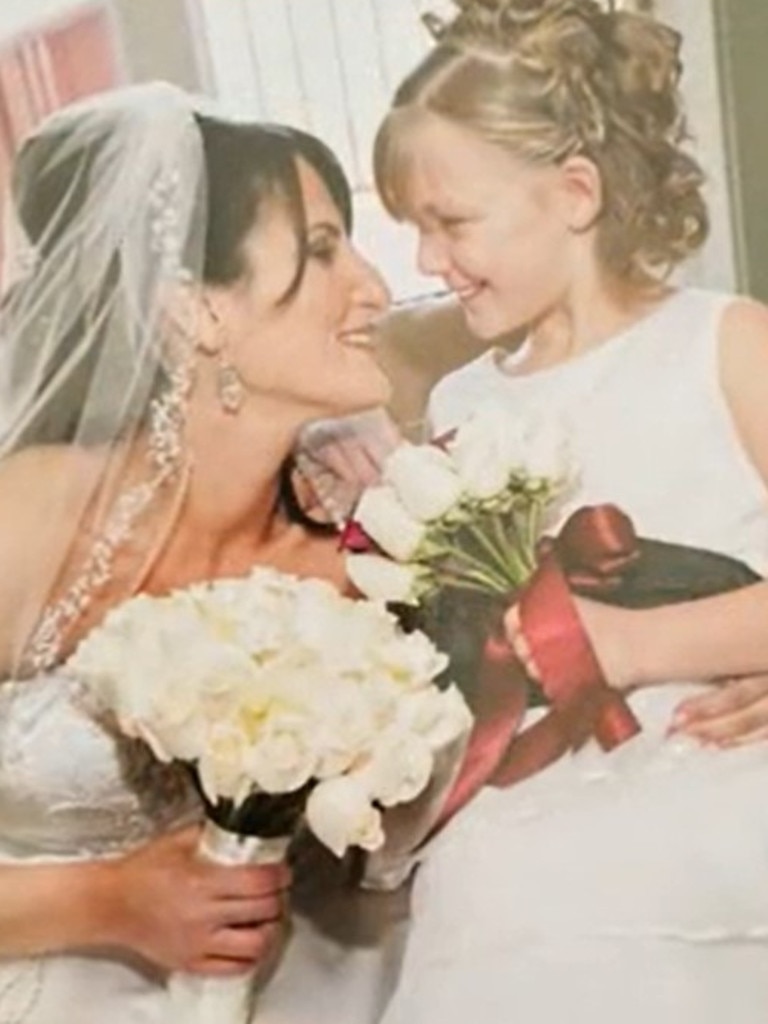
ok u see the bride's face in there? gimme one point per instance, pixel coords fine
(312, 353)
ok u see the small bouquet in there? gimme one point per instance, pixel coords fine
(471, 514)
(287, 701)
(466, 513)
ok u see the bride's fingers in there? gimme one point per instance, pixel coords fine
(758, 736)
(248, 882)
(725, 700)
(244, 944)
(736, 714)
(731, 729)
(254, 911)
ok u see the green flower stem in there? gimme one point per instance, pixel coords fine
(470, 581)
(512, 549)
(499, 557)
(465, 563)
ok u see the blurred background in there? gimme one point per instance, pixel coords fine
(331, 65)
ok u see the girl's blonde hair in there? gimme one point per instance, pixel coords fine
(547, 79)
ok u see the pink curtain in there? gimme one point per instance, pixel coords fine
(48, 67)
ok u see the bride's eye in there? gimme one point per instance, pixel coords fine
(323, 248)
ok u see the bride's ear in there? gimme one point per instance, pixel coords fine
(191, 315)
(583, 192)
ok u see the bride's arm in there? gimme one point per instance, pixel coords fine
(159, 901)
(51, 908)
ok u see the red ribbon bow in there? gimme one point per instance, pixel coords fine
(595, 547)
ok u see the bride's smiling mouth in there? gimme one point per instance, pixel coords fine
(358, 337)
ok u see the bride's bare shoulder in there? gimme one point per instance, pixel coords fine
(42, 491)
(33, 477)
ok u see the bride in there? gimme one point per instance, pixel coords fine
(189, 298)
(537, 150)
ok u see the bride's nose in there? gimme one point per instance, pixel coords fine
(370, 288)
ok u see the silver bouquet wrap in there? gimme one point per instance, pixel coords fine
(196, 999)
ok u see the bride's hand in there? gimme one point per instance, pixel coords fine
(339, 458)
(733, 714)
(182, 913)
(609, 631)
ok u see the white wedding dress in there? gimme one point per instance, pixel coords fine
(628, 887)
(69, 791)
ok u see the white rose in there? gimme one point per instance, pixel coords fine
(384, 518)
(400, 767)
(340, 814)
(284, 756)
(411, 660)
(221, 767)
(439, 717)
(548, 453)
(346, 729)
(424, 479)
(381, 579)
(487, 449)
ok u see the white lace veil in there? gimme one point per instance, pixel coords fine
(109, 202)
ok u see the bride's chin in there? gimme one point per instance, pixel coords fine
(366, 390)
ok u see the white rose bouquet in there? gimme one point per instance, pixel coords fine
(467, 514)
(287, 701)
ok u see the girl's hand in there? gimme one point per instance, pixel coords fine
(182, 913)
(734, 714)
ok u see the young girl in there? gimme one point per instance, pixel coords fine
(537, 151)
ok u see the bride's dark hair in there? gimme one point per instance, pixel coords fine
(546, 79)
(247, 167)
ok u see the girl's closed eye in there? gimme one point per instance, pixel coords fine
(455, 223)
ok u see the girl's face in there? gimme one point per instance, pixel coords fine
(311, 355)
(497, 230)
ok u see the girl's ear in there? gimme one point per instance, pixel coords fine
(583, 192)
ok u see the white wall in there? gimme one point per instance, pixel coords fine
(716, 265)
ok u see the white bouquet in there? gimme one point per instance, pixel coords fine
(465, 514)
(287, 700)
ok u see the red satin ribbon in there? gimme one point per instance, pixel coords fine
(498, 709)
(593, 549)
(570, 673)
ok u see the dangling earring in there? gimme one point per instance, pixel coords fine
(229, 383)
(230, 387)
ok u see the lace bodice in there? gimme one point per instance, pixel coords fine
(69, 787)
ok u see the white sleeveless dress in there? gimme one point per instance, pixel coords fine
(628, 887)
(69, 791)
